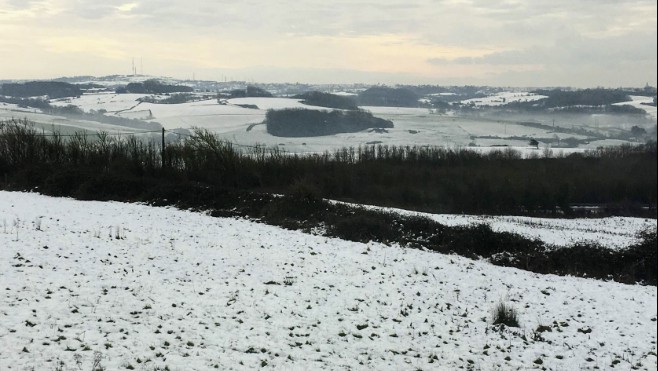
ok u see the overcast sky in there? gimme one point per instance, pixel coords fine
(583, 43)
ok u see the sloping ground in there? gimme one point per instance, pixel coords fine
(611, 232)
(234, 122)
(503, 98)
(148, 288)
(642, 103)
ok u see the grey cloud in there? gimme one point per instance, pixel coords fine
(311, 17)
(575, 50)
(551, 33)
(473, 23)
(94, 10)
(21, 4)
(519, 24)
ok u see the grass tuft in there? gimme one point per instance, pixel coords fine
(505, 314)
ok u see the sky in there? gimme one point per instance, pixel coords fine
(580, 43)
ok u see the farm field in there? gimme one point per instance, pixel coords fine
(643, 103)
(240, 120)
(139, 287)
(48, 123)
(503, 98)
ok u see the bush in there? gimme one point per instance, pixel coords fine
(363, 228)
(641, 262)
(305, 190)
(505, 314)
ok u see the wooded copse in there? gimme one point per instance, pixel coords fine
(51, 89)
(297, 122)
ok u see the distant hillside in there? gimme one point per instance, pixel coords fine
(249, 92)
(177, 98)
(583, 101)
(585, 97)
(311, 123)
(316, 98)
(153, 87)
(53, 89)
(390, 97)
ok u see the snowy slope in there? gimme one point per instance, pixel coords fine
(503, 98)
(642, 102)
(49, 123)
(111, 102)
(611, 232)
(146, 288)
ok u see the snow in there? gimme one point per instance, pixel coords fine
(503, 98)
(153, 287)
(501, 129)
(207, 114)
(637, 102)
(49, 123)
(111, 102)
(604, 143)
(610, 232)
(9, 107)
(243, 125)
(345, 93)
(275, 103)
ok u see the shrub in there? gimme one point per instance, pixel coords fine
(305, 190)
(505, 314)
(363, 228)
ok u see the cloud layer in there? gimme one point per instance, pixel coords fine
(556, 42)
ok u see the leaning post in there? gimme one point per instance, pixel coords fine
(163, 148)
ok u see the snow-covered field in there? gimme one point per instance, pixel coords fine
(49, 123)
(145, 288)
(637, 102)
(413, 126)
(502, 98)
(110, 102)
(611, 232)
(240, 122)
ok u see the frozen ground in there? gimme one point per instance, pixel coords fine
(611, 232)
(147, 288)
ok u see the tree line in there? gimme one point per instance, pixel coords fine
(316, 98)
(153, 86)
(434, 179)
(52, 89)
